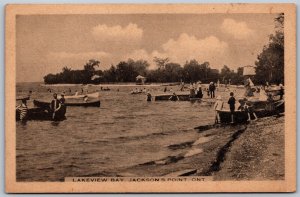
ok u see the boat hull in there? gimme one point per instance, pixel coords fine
(92, 95)
(42, 115)
(46, 105)
(182, 97)
(259, 108)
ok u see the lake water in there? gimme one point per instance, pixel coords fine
(125, 131)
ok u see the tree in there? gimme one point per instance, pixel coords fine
(173, 72)
(225, 74)
(270, 62)
(91, 64)
(160, 62)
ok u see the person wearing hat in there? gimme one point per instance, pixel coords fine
(217, 107)
(212, 89)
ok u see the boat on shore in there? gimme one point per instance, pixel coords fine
(41, 114)
(72, 103)
(260, 108)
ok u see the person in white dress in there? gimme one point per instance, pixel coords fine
(217, 107)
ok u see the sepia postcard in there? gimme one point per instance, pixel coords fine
(128, 98)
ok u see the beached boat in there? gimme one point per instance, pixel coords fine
(259, 107)
(41, 114)
(74, 103)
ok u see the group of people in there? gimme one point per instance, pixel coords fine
(137, 90)
(196, 90)
(57, 108)
(245, 106)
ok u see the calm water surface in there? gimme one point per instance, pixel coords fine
(126, 130)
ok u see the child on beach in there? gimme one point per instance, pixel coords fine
(246, 106)
(217, 107)
(231, 103)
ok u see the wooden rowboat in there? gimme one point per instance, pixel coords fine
(181, 97)
(260, 108)
(73, 103)
(91, 95)
(41, 114)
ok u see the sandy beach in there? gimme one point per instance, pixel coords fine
(240, 152)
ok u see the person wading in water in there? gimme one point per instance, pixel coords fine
(55, 106)
(23, 110)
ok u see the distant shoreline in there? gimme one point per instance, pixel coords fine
(108, 84)
(99, 85)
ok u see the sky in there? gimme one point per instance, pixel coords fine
(47, 43)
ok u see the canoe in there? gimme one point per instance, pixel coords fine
(182, 97)
(46, 104)
(92, 95)
(42, 114)
(136, 92)
(259, 108)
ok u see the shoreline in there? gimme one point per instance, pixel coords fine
(240, 152)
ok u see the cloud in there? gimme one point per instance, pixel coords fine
(57, 60)
(239, 30)
(186, 48)
(131, 32)
(81, 55)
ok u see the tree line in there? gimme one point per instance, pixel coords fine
(127, 71)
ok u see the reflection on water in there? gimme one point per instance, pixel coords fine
(126, 130)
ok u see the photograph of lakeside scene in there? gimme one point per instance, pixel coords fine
(150, 95)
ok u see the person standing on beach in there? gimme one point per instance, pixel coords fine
(231, 103)
(217, 107)
(247, 107)
(55, 106)
(212, 89)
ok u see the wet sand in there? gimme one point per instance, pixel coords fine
(231, 152)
